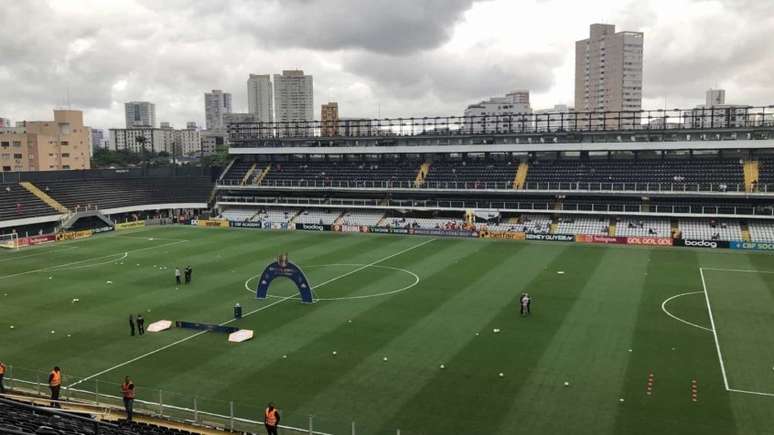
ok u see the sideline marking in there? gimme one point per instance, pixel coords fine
(663, 308)
(346, 298)
(737, 270)
(167, 346)
(714, 329)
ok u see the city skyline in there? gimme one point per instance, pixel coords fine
(445, 58)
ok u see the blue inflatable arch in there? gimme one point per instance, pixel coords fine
(283, 267)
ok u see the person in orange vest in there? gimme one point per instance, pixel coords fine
(271, 419)
(55, 383)
(2, 375)
(127, 391)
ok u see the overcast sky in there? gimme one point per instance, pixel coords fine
(375, 57)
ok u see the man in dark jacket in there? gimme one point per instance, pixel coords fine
(131, 324)
(140, 324)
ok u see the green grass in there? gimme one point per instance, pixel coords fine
(584, 323)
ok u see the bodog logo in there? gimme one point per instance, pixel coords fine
(701, 244)
(650, 241)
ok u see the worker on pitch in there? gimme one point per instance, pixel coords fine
(177, 275)
(524, 303)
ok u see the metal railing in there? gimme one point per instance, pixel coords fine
(511, 206)
(697, 119)
(506, 186)
(240, 416)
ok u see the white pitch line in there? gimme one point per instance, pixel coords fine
(757, 393)
(714, 330)
(88, 259)
(245, 315)
(663, 308)
(13, 257)
(737, 270)
(165, 347)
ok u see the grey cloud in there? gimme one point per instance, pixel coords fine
(383, 26)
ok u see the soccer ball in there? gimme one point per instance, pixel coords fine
(621, 399)
(442, 366)
(333, 353)
(12, 326)
(53, 332)
(566, 384)
(501, 374)
(385, 358)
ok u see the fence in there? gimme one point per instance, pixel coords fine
(229, 415)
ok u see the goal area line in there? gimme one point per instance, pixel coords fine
(714, 329)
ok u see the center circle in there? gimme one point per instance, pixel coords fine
(345, 298)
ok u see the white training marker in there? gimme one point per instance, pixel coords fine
(501, 374)
(50, 277)
(496, 330)
(443, 366)
(566, 384)
(333, 353)
(53, 332)
(561, 272)
(621, 399)
(12, 326)
(385, 358)
(68, 335)
(631, 350)
(284, 357)
(109, 282)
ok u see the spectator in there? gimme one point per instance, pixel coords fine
(2, 375)
(54, 384)
(127, 391)
(131, 324)
(271, 419)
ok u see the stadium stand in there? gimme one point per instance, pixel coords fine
(236, 214)
(667, 172)
(315, 216)
(535, 223)
(445, 223)
(761, 231)
(237, 171)
(583, 225)
(300, 173)
(362, 217)
(116, 192)
(710, 229)
(632, 227)
(18, 203)
(472, 174)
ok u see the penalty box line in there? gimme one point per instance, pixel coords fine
(715, 333)
(249, 313)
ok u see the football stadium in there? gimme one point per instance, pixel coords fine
(411, 217)
(402, 264)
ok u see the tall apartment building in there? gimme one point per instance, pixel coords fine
(498, 113)
(260, 97)
(715, 113)
(5, 123)
(608, 73)
(46, 145)
(293, 96)
(329, 117)
(140, 114)
(216, 104)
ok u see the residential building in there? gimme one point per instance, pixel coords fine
(293, 101)
(140, 114)
(191, 125)
(60, 144)
(5, 123)
(559, 117)
(260, 99)
(608, 76)
(216, 104)
(212, 141)
(188, 142)
(499, 114)
(155, 139)
(356, 127)
(715, 113)
(329, 117)
(99, 140)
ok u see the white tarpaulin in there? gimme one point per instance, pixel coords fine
(240, 336)
(161, 325)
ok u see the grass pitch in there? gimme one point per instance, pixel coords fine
(420, 303)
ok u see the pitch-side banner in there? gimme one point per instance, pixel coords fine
(129, 225)
(551, 237)
(692, 243)
(212, 223)
(313, 227)
(756, 246)
(504, 235)
(649, 241)
(592, 238)
(74, 235)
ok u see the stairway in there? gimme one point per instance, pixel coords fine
(248, 174)
(746, 232)
(553, 228)
(43, 196)
(521, 176)
(612, 228)
(261, 175)
(750, 174)
(422, 174)
(676, 233)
